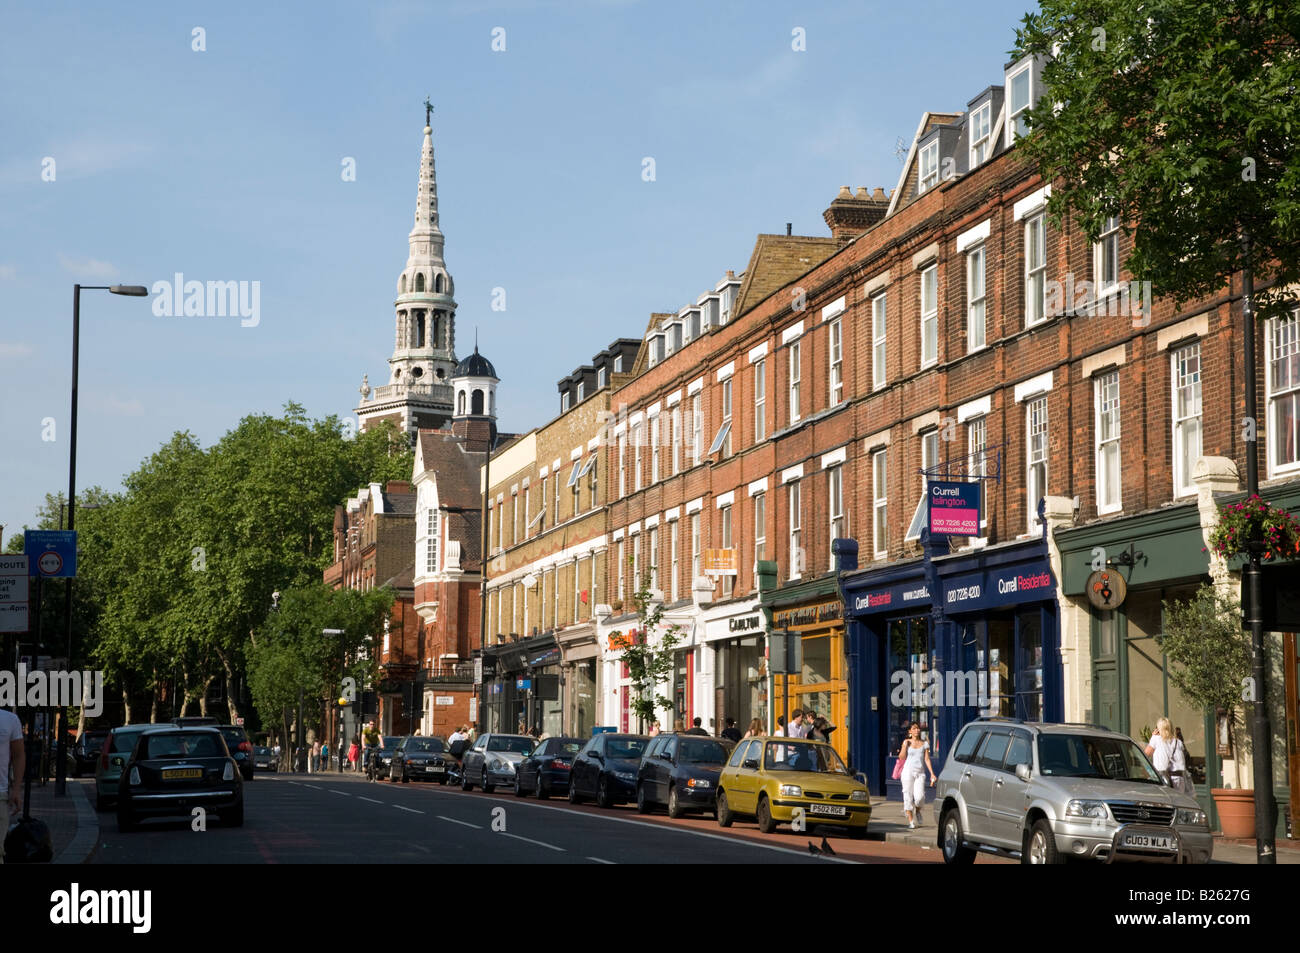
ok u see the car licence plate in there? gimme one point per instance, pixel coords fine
(434, 769)
(830, 810)
(1148, 841)
(172, 774)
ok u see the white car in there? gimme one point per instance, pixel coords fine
(493, 760)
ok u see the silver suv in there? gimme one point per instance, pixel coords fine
(1048, 792)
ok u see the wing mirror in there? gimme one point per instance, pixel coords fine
(1022, 772)
(751, 763)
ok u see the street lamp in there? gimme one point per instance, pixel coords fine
(134, 291)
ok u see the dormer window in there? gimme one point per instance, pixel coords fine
(1020, 84)
(600, 377)
(564, 401)
(582, 391)
(656, 349)
(674, 338)
(618, 364)
(980, 133)
(692, 325)
(929, 175)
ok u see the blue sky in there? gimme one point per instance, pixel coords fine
(225, 164)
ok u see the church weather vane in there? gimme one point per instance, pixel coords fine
(428, 110)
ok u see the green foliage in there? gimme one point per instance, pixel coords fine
(649, 662)
(1180, 117)
(1204, 639)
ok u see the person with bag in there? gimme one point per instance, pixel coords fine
(1169, 755)
(13, 754)
(910, 768)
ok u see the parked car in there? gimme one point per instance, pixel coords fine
(1047, 792)
(606, 769)
(85, 751)
(546, 770)
(419, 759)
(492, 760)
(112, 756)
(769, 778)
(680, 771)
(384, 756)
(241, 749)
(174, 770)
(264, 759)
(194, 721)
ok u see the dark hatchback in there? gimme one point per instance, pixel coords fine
(264, 759)
(84, 753)
(546, 771)
(416, 758)
(680, 771)
(174, 770)
(606, 769)
(241, 749)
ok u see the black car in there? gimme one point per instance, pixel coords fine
(241, 749)
(384, 756)
(546, 770)
(606, 769)
(174, 770)
(264, 759)
(84, 753)
(681, 771)
(416, 758)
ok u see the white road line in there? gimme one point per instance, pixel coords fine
(477, 827)
(370, 799)
(421, 847)
(332, 791)
(411, 809)
(306, 785)
(600, 861)
(293, 782)
(531, 841)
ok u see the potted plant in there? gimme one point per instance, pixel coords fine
(1253, 523)
(1204, 639)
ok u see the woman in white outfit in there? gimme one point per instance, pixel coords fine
(915, 754)
(1169, 756)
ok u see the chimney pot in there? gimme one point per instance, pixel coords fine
(789, 228)
(845, 193)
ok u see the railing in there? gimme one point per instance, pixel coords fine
(458, 672)
(391, 391)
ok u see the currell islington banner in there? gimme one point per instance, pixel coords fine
(954, 508)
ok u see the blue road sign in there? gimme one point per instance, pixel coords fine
(52, 553)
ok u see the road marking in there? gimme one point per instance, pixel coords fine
(411, 809)
(370, 799)
(531, 841)
(332, 791)
(306, 785)
(600, 861)
(421, 847)
(453, 820)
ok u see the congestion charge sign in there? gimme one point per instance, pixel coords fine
(954, 508)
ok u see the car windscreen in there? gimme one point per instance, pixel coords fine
(625, 748)
(508, 743)
(564, 747)
(93, 742)
(390, 742)
(692, 751)
(234, 736)
(262, 752)
(1093, 756)
(430, 745)
(181, 746)
(124, 741)
(796, 756)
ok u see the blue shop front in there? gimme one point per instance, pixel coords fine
(944, 639)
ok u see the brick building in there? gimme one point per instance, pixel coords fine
(548, 551)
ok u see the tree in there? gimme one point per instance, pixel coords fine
(649, 659)
(1181, 118)
(1210, 651)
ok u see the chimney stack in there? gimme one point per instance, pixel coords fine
(850, 215)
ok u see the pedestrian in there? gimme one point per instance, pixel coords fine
(796, 728)
(12, 754)
(755, 729)
(679, 725)
(1169, 755)
(353, 752)
(325, 756)
(696, 728)
(821, 729)
(780, 727)
(315, 757)
(730, 731)
(460, 734)
(915, 755)
(654, 728)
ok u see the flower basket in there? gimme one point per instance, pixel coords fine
(1276, 531)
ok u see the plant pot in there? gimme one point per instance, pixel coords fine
(1236, 807)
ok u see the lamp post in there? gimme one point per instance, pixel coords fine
(134, 291)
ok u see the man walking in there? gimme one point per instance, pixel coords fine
(695, 728)
(12, 755)
(797, 728)
(730, 732)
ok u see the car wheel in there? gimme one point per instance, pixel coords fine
(519, 791)
(542, 793)
(723, 812)
(764, 815)
(574, 797)
(487, 788)
(674, 805)
(954, 852)
(1041, 845)
(235, 817)
(465, 784)
(642, 802)
(406, 778)
(603, 798)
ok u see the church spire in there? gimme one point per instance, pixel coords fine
(426, 238)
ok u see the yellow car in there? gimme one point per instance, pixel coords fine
(773, 778)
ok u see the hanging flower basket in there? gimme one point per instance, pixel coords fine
(1276, 531)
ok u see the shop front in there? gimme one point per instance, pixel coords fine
(945, 639)
(524, 690)
(579, 678)
(734, 682)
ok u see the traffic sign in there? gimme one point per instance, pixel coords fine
(53, 552)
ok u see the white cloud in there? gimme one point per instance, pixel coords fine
(14, 349)
(88, 267)
(8, 272)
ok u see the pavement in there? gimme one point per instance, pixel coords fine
(73, 824)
